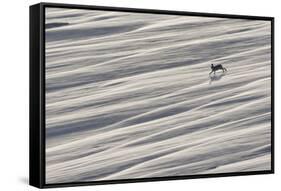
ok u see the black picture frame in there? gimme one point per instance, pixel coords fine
(37, 94)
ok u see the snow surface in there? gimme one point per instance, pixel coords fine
(129, 95)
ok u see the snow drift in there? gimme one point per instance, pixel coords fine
(129, 95)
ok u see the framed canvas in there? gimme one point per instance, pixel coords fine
(122, 95)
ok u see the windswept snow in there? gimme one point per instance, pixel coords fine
(129, 95)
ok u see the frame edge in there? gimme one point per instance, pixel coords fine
(35, 139)
(272, 99)
(155, 11)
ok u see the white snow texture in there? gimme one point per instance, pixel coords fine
(129, 95)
